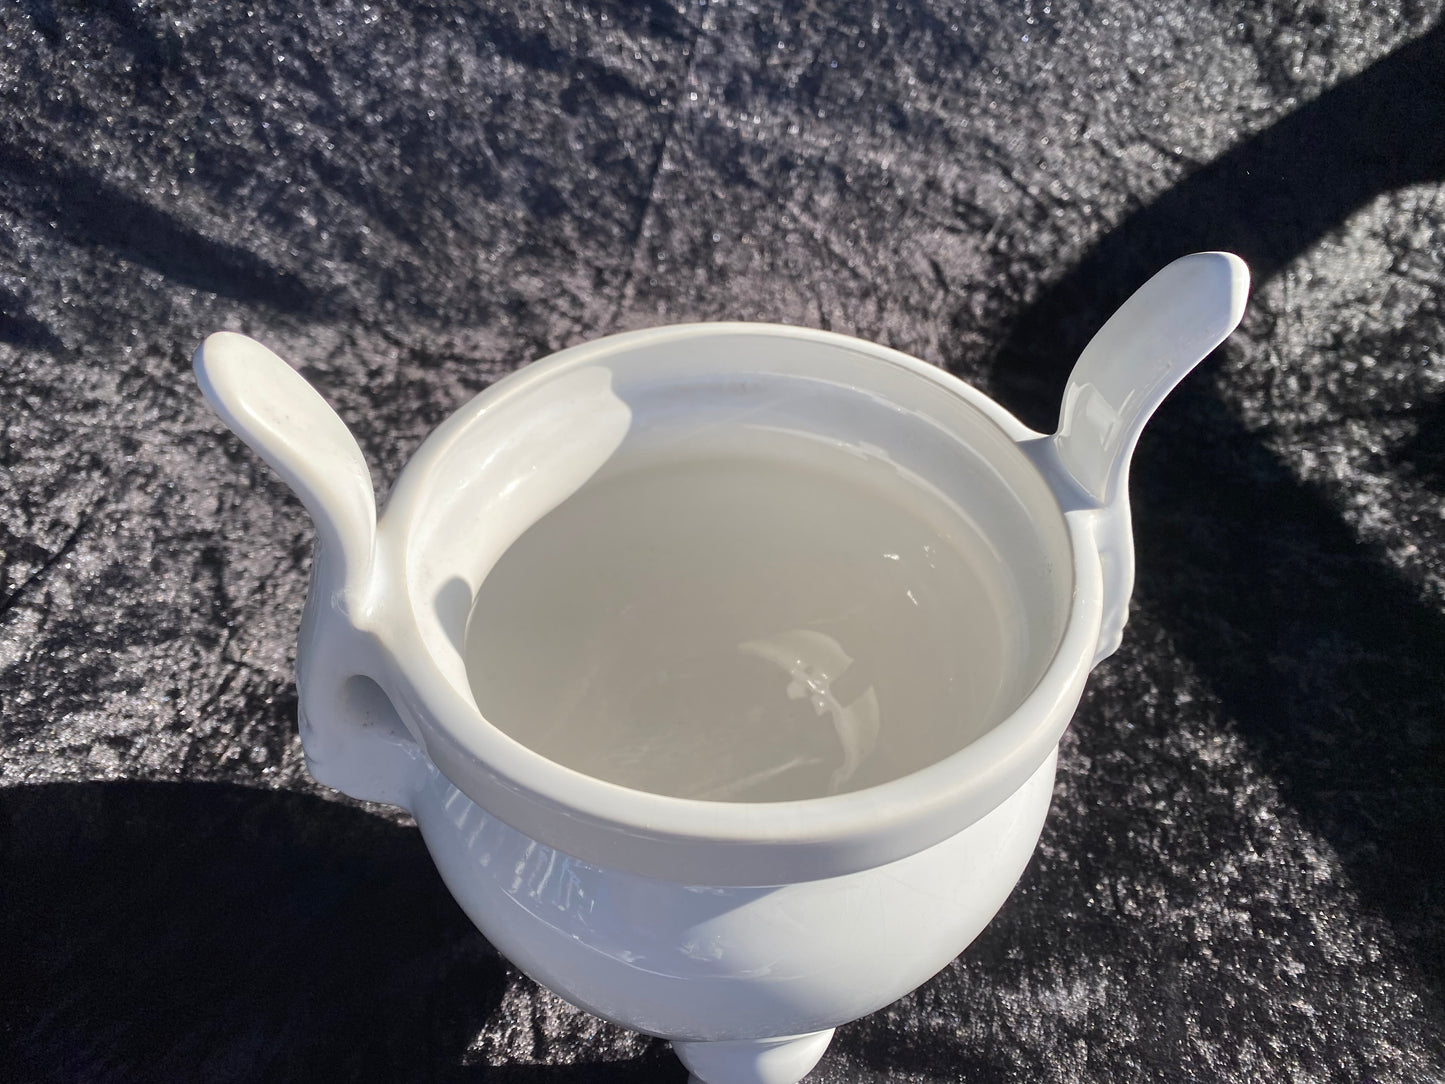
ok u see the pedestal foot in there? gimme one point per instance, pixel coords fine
(785, 1060)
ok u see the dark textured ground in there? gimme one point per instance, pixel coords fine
(1242, 879)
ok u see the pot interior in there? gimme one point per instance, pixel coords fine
(739, 568)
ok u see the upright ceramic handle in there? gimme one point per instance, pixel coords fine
(1164, 330)
(354, 739)
(285, 421)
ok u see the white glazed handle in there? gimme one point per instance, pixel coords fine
(271, 407)
(1166, 328)
(355, 740)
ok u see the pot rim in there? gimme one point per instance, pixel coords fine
(710, 842)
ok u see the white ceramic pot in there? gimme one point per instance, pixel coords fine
(742, 931)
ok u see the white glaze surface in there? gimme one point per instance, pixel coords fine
(750, 614)
(466, 497)
(710, 962)
(745, 930)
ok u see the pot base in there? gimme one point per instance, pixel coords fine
(784, 1060)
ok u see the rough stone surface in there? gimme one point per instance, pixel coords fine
(1241, 879)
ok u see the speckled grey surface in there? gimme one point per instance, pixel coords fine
(1242, 877)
